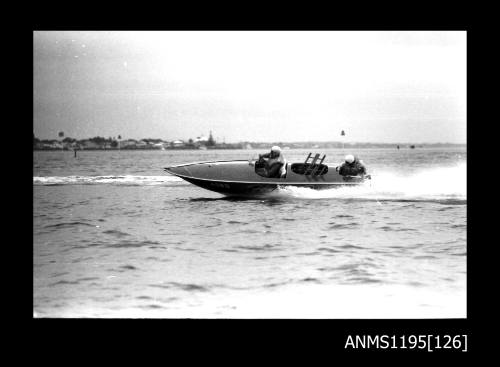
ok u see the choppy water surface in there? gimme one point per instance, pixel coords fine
(115, 236)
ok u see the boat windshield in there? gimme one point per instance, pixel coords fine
(260, 168)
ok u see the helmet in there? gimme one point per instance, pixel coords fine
(276, 149)
(349, 158)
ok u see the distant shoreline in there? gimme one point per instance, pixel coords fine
(101, 143)
(266, 146)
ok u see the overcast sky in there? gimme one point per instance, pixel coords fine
(251, 86)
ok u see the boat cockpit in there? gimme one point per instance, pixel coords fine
(310, 167)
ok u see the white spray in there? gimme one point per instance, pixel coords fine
(429, 184)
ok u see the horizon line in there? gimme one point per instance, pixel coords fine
(267, 142)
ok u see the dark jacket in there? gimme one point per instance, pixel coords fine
(355, 168)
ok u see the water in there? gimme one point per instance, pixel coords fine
(115, 236)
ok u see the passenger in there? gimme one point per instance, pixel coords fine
(352, 167)
(275, 164)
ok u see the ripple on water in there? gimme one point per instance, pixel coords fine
(189, 249)
(131, 244)
(352, 247)
(59, 274)
(236, 222)
(354, 268)
(209, 225)
(68, 225)
(116, 233)
(144, 297)
(64, 282)
(128, 267)
(266, 247)
(343, 225)
(352, 273)
(183, 286)
(276, 284)
(81, 259)
(324, 249)
(151, 307)
(253, 231)
(446, 208)
(87, 279)
(311, 280)
(361, 280)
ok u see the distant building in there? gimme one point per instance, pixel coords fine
(71, 145)
(50, 145)
(177, 143)
(128, 143)
(159, 146)
(201, 140)
(89, 144)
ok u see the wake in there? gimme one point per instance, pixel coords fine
(441, 184)
(435, 184)
(126, 180)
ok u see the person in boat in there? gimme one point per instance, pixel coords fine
(352, 167)
(275, 162)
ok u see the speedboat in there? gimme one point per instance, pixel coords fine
(249, 177)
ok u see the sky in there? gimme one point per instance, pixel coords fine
(264, 86)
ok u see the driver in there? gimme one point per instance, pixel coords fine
(276, 163)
